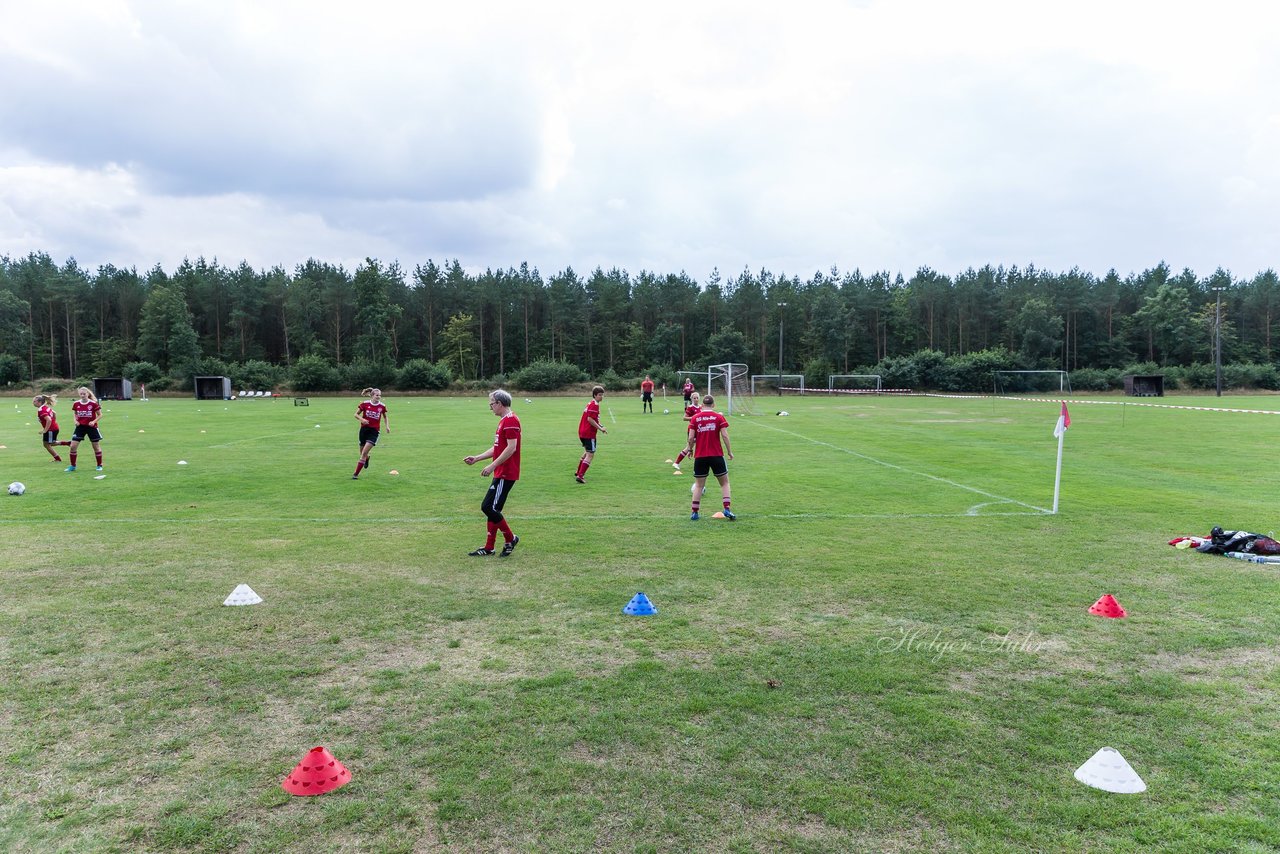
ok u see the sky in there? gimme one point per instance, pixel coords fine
(692, 136)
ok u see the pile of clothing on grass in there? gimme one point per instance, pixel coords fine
(1241, 545)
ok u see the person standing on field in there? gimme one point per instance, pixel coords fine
(505, 469)
(44, 404)
(692, 409)
(371, 414)
(688, 390)
(708, 431)
(646, 395)
(87, 411)
(588, 425)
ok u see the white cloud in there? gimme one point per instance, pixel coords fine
(881, 135)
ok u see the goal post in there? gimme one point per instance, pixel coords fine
(731, 383)
(864, 383)
(762, 383)
(1031, 382)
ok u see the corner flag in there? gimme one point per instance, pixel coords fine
(1064, 421)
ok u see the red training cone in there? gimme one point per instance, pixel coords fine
(317, 773)
(1107, 606)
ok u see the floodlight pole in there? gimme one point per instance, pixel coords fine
(1217, 342)
(782, 319)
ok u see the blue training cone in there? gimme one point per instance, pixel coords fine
(640, 606)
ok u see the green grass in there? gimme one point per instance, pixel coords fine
(935, 676)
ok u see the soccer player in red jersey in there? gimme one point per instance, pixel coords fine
(87, 412)
(505, 469)
(371, 414)
(691, 410)
(688, 390)
(588, 424)
(646, 395)
(707, 430)
(44, 404)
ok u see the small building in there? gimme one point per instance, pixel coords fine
(1144, 385)
(213, 388)
(112, 388)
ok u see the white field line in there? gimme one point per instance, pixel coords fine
(936, 478)
(260, 438)
(1074, 401)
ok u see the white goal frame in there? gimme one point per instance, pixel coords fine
(831, 381)
(1064, 382)
(755, 377)
(735, 378)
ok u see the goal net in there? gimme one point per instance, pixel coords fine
(855, 383)
(730, 384)
(769, 383)
(1032, 382)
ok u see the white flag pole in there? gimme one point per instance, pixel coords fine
(1057, 475)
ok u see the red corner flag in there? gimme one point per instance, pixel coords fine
(1064, 421)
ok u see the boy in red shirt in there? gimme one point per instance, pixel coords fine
(505, 469)
(588, 424)
(707, 430)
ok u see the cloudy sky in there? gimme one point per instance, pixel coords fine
(668, 136)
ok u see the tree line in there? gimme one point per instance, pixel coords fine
(207, 318)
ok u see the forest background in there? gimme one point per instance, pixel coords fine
(323, 327)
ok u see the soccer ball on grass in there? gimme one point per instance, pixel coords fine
(16, 488)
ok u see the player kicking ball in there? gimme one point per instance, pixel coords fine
(708, 430)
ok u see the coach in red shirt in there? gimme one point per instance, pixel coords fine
(708, 430)
(505, 469)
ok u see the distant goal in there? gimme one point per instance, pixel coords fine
(730, 385)
(1032, 382)
(776, 383)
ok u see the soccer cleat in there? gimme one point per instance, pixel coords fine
(729, 514)
(578, 478)
(99, 468)
(480, 553)
(508, 548)
(70, 468)
(355, 477)
(57, 459)
(693, 517)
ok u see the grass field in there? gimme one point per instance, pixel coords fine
(889, 650)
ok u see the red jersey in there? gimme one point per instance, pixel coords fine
(691, 410)
(46, 411)
(688, 387)
(707, 425)
(373, 413)
(508, 428)
(85, 411)
(587, 430)
(647, 386)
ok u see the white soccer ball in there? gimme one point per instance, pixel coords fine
(666, 412)
(16, 488)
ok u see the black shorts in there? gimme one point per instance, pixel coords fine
(368, 436)
(646, 396)
(713, 465)
(49, 436)
(588, 444)
(83, 430)
(496, 498)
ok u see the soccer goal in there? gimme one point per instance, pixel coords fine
(855, 383)
(776, 383)
(1032, 382)
(731, 383)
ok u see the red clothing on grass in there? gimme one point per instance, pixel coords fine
(587, 430)
(707, 425)
(46, 411)
(372, 412)
(508, 428)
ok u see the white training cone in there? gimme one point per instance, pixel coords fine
(242, 595)
(1107, 770)
(182, 462)
(99, 476)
